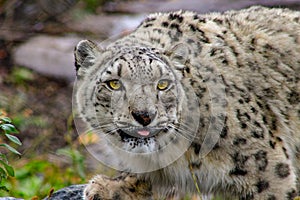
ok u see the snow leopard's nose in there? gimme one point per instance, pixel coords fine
(143, 117)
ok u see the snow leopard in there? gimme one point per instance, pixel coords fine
(193, 103)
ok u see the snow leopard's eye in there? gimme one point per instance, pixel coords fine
(163, 84)
(114, 84)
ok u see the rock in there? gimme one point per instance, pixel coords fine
(48, 55)
(73, 192)
(53, 56)
(105, 26)
(9, 198)
(99, 25)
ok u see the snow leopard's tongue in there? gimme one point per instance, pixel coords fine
(143, 132)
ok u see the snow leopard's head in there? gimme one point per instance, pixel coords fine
(136, 99)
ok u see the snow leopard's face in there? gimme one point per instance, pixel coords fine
(134, 99)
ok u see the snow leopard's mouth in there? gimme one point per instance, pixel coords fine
(139, 133)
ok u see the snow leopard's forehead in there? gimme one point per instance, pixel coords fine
(139, 65)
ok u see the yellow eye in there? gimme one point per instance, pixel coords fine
(114, 84)
(163, 84)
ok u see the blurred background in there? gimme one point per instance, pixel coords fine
(37, 38)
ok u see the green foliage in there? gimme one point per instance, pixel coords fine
(77, 160)
(38, 177)
(20, 75)
(7, 129)
(25, 121)
(92, 5)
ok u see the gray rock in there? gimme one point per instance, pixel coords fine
(53, 56)
(73, 192)
(48, 55)
(105, 26)
(9, 198)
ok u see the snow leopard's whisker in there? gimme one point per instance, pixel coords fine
(186, 129)
(185, 126)
(111, 131)
(102, 126)
(183, 132)
(108, 130)
(180, 133)
(105, 128)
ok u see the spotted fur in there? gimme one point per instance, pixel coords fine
(243, 68)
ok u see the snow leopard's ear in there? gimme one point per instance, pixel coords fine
(85, 54)
(179, 55)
